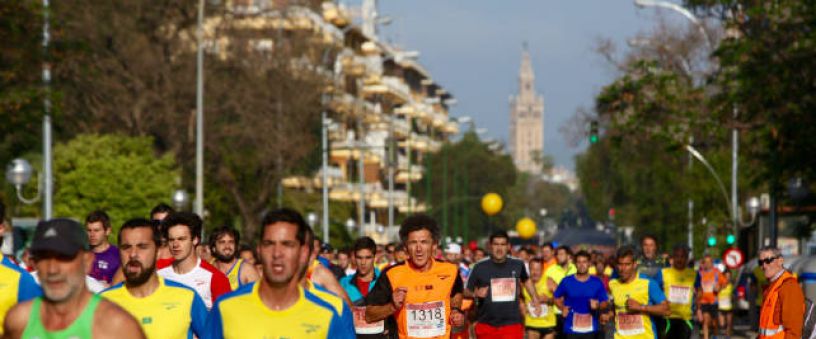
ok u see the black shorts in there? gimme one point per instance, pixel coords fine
(678, 329)
(541, 330)
(712, 309)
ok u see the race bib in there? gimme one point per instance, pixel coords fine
(361, 326)
(582, 323)
(544, 311)
(725, 302)
(503, 289)
(679, 294)
(629, 324)
(426, 320)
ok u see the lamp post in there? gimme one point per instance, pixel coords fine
(752, 203)
(18, 173)
(180, 199)
(48, 179)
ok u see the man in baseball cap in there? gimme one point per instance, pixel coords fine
(63, 258)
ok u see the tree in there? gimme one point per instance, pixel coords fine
(20, 70)
(458, 176)
(120, 175)
(640, 167)
(770, 63)
(129, 67)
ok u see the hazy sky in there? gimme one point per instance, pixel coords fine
(473, 49)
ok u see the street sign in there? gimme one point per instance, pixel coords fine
(733, 258)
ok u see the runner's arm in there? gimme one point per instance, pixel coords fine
(528, 284)
(16, 320)
(325, 278)
(249, 274)
(378, 302)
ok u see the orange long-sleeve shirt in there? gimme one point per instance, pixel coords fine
(789, 308)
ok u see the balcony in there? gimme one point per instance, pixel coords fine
(391, 88)
(292, 18)
(336, 14)
(351, 149)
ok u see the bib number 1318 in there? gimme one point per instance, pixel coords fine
(426, 315)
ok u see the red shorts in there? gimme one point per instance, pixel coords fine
(515, 331)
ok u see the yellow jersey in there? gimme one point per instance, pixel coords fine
(16, 286)
(234, 274)
(242, 314)
(172, 311)
(724, 298)
(678, 286)
(634, 325)
(546, 318)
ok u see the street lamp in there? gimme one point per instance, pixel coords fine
(18, 173)
(679, 9)
(180, 199)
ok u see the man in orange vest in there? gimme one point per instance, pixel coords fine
(783, 302)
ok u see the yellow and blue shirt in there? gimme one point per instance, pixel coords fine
(635, 325)
(16, 286)
(234, 274)
(172, 311)
(242, 314)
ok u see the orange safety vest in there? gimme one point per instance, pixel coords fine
(768, 328)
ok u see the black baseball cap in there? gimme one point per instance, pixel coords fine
(61, 236)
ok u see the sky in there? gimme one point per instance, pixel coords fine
(473, 49)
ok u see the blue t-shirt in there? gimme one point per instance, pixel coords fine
(576, 296)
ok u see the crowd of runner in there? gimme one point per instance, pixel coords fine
(162, 280)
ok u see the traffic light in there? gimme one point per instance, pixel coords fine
(593, 132)
(730, 239)
(712, 241)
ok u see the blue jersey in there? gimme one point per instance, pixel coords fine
(576, 294)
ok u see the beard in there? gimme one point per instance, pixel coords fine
(138, 278)
(223, 257)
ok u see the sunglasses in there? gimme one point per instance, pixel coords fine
(766, 261)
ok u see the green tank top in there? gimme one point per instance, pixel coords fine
(81, 328)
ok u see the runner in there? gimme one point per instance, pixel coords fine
(726, 308)
(543, 325)
(423, 295)
(494, 283)
(158, 214)
(649, 263)
(16, 285)
(678, 286)
(708, 284)
(183, 231)
(340, 303)
(581, 297)
(547, 256)
(62, 256)
(554, 274)
(636, 299)
(146, 295)
(358, 285)
(223, 244)
(277, 305)
(453, 254)
(106, 256)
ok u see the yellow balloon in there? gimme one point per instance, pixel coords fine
(491, 204)
(526, 228)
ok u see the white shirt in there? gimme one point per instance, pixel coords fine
(203, 279)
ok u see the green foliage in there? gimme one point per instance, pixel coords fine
(640, 166)
(121, 175)
(21, 105)
(466, 170)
